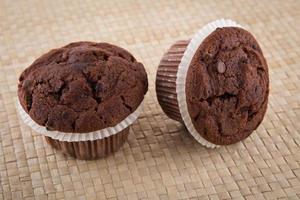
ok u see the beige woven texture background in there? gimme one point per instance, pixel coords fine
(160, 160)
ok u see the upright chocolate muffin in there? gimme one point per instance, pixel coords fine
(224, 81)
(88, 90)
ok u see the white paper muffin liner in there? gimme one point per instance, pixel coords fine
(78, 137)
(182, 73)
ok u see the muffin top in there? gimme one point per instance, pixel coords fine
(227, 86)
(82, 87)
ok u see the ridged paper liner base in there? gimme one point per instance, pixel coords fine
(171, 77)
(166, 79)
(89, 150)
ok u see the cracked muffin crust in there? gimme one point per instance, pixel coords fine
(227, 86)
(82, 87)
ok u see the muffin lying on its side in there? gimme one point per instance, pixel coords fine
(217, 83)
(83, 97)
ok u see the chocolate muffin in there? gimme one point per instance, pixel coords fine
(226, 85)
(81, 88)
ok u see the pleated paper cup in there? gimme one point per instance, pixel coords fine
(86, 146)
(171, 77)
(88, 150)
(166, 79)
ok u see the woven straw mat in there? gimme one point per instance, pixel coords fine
(160, 160)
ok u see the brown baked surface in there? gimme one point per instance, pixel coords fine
(82, 87)
(227, 86)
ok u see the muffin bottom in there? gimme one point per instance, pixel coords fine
(90, 150)
(166, 79)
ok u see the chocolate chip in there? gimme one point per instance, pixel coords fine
(221, 67)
